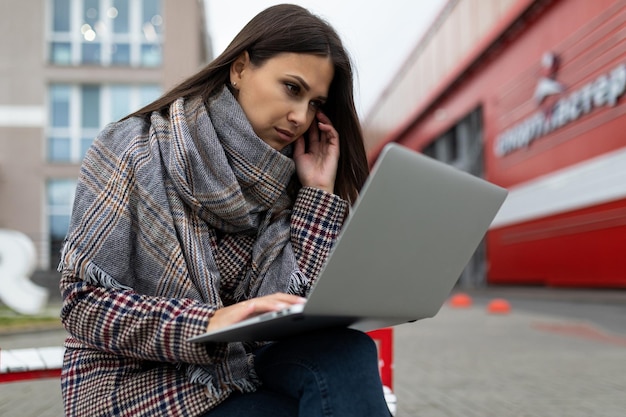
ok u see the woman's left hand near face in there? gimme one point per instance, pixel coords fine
(317, 165)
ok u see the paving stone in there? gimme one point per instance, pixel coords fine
(464, 362)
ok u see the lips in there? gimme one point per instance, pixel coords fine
(285, 134)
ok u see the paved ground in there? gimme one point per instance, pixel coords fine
(41, 398)
(470, 363)
(549, 357)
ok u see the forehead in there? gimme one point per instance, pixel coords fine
(316, 71)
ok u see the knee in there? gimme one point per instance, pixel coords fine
(338, 357)
(331, 349)
(348, 348)
(355, 340)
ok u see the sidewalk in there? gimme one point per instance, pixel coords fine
(465, 362)
(40, 398)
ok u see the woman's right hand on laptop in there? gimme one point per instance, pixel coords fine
(235, 313)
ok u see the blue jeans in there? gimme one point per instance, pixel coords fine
(322, 374)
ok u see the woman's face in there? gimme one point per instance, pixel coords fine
(282, 96)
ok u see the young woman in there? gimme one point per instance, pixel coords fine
(219, 201)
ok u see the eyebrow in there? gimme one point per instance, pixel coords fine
(305, 85)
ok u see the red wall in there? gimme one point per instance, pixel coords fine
(578, 248)
(589, 39)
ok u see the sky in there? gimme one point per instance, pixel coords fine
(379, 35)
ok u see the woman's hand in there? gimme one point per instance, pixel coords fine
(237, 312)
(317, 165)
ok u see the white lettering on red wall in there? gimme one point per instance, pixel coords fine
(604, 91)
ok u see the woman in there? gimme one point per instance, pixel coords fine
(219, 201)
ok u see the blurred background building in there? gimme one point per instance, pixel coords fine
(69, 67)
(530, 95)
(526, 93)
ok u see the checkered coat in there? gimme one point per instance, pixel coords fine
(127, 353)
(124, 359)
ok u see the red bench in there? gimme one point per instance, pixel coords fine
(384, 342)
(30, 363)
(46, 362)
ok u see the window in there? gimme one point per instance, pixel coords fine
(106, 32)
(462, 147)
(79, 112)
(59, 200)
(59, 140)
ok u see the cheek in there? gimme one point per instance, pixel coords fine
(252, 107)
(310, 119)
(258, 101)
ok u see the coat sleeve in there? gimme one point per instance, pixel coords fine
(316, 221)
(139, 326)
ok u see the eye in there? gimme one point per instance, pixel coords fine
(292, 89)
(316, 104)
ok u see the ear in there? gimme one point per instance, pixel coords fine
(238, 67)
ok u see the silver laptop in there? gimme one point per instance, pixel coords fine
(407, 239)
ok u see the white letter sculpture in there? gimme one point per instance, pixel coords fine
(17, 263)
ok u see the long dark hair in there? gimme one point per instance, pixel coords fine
(282, 29)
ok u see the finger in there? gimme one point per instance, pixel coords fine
(260, 306)
(299, 147)
(323, 118)
(314, 138)
(249, 307)
(272, 302)
(288, 298)
(328, 132)
(314, 132)
(277, 301)
(324, 124)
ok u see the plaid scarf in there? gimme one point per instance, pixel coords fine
(153, 199)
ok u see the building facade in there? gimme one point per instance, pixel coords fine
(534, 101)
(68, 68)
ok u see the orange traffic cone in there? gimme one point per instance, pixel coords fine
(499, 306)
(460, 300)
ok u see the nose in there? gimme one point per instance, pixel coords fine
(299, 115)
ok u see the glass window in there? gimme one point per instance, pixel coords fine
(106, 32)
(59, 224)
(91, 53)
(60, 194)
(61, 53)
(60, 105)
(61, 15)
(150, 55)
(120, 101)
(452, 148)
(85, 144)
(152, 16)
(91, 12)
(119, 14)
(90, 106)
(120, 54)
(60, 198)
(148, 93)
(59, 149)
(78, 113)
(430, 150)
